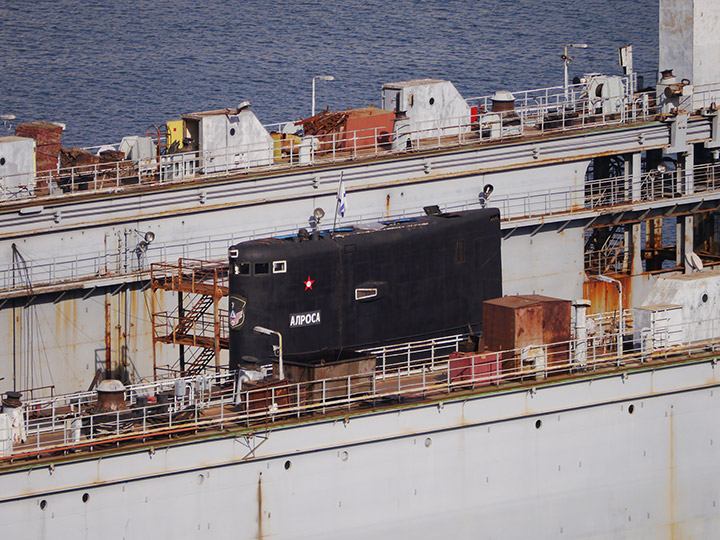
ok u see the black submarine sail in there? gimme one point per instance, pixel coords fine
(354, 288)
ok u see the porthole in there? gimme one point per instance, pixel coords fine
(538, 424)
(232, 132)
(428, 442)
(288, 465)
(200, 479)
(631, 409)
(85, 497)
(279, 267)
(344, 455)
(704, 298)
(432, 101)
(43, 504)
(262, 268)
(2, 161)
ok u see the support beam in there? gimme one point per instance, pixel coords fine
(635, 165)
(688, 171)
(636, 249)
(684, 241)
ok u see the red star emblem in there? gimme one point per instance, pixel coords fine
(308, 283)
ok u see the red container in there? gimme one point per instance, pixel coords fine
(484, 368)
(368, 127)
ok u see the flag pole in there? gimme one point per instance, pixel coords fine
(337, 205)
(337, 201)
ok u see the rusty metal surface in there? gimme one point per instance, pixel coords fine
(108, 337)
(515, 322)
(110, 396)
(197, 320)
(359, 371)
(48, 142)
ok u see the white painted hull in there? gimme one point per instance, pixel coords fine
(477, 466)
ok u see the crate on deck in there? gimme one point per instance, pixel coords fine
(528, 322)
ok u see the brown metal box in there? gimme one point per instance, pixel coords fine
(351, 374)
(514, 322)
(261, 395)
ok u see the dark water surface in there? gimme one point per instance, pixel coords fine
(110, 69)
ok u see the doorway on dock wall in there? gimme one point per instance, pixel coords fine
(605, 182)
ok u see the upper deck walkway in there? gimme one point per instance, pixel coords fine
(540, 115)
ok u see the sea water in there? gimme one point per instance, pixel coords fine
(111, 69)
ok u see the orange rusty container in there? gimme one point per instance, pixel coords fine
(367, 128)
(515, 322)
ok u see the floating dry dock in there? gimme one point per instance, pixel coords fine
(605, 188)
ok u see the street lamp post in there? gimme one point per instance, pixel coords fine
(268, 332)
(318, 78)
(621, 326)
(567, 59)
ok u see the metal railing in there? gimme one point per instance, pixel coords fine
(596, 194)
(612, 260)
(195, 331)
(536, 112)
(215, 401)
(403, 356)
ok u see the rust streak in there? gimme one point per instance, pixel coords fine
(108, 337)
(260, 508)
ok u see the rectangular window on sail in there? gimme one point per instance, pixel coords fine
(365, 294)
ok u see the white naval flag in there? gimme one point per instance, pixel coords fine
(341, 199)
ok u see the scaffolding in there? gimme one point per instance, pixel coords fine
(196, 322)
